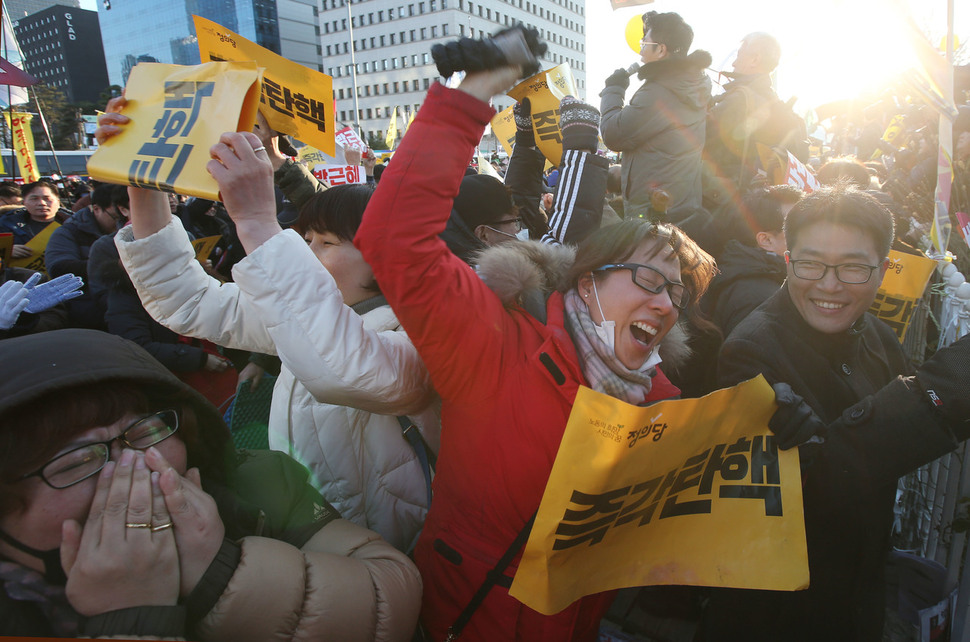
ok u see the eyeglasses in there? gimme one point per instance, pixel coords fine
(644, 43)
(653, 281)
(76, 465)
(848, 273)
(514, 222)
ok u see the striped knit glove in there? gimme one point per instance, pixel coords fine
(579, 123)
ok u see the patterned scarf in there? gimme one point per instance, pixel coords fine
(599, 363)
(25, 584)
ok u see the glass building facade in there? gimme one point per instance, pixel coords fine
(147, 30)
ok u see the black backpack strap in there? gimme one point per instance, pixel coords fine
(491, 579)
(425, 457)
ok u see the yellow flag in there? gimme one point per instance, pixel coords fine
(691, 491)
(391, 131)
(177, 113)
(38, 244)
(296, 100)
(503, 126)
(23, 144)
(544, 91)
(902, 286)
(410, 120)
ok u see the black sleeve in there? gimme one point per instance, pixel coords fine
(127, 318)
(524, 180)
(580, 196)
(213, 582)
(156, 622)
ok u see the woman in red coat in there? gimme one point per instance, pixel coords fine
(508, 377)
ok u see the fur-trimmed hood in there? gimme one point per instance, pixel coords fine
(524, 273)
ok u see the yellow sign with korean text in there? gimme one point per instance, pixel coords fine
(203, 247)
(177, 113)
(311, 156)
(544, 91)
(691, 491)
(902, 286)
(503, 126)
(23, 145)
(296, 100)
(38, 244)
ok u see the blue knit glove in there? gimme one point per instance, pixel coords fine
(46, 295)
(13, 301)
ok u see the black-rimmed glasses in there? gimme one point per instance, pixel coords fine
(514, 222)
(653, 281)
(848, 273)
(82, 462)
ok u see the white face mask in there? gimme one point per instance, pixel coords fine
(606, 331)
(523, 234)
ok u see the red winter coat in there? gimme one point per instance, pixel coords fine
(507, 382)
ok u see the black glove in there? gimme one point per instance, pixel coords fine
(794, 423)
(579, 123)
(619, 78)
(524, 134)
(943, 378)
(470, 55)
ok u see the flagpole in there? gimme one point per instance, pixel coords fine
(353, 68)
(4, 54)
(47, 132)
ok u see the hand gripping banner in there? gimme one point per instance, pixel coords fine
(691, 491)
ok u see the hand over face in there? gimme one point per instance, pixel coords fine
(124, 555)
(198, 529)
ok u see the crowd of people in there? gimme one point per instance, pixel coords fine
(428, 331)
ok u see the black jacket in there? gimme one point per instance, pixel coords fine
(126, 317)
(749, 275)
(847, 525)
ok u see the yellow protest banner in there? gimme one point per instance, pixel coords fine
(177, 113)
(38, 244)
(691, 491)
(391, 137)
(203, 247)
(23, 144)
(503, 126)
(901, 288)
(311, 156)
(296, 100)
(6, 248)
(544, 91)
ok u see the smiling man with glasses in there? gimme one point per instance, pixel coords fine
(858, 424)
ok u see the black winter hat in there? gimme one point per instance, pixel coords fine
(49, 362)
(482, 200)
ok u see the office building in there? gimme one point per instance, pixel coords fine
(148, 30)
(18, 9)
(392, 42)
(62, 49)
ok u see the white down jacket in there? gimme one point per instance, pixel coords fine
(345, 377)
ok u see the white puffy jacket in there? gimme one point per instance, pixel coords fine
(345, 377)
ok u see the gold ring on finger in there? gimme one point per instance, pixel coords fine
(137, 525)
(161, 527)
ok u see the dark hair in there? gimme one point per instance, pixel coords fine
(119, 196)
(102, 195)
(30, 187)
(671, 30)
(762, 209)
(33, 433)
(842, 204)
(617, 243)
(844, 168)
(8, 190)
(337, 210)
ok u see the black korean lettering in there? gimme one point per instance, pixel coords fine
(574, 526)
(764, 461)
(546, 124)
(689, 476)
(273, 95)
(771, 495)
(645, 490)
